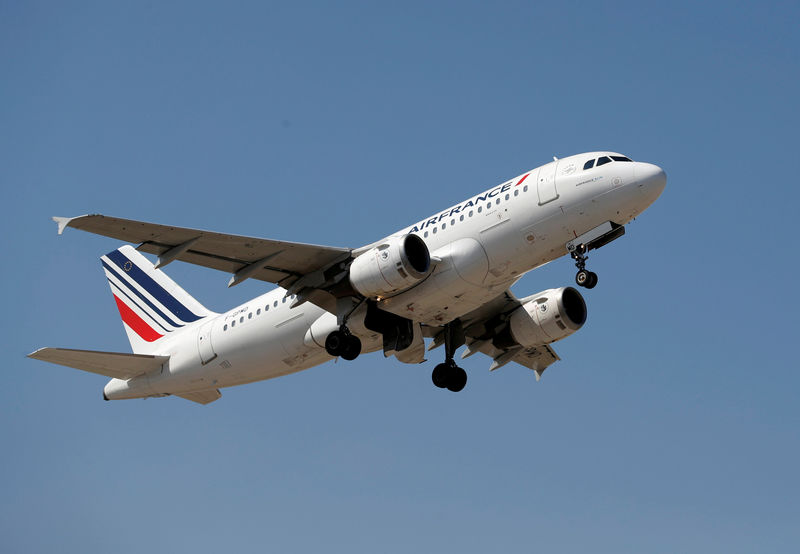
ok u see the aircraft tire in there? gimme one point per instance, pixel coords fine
(440, 375)
(457, 380)
(583, 278)
(352, 348)
(335, 343)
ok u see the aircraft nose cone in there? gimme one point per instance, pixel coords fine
(651, 180)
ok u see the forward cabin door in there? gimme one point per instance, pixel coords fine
(204, 343)
(546, 184)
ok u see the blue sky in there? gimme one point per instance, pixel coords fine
(671, 425)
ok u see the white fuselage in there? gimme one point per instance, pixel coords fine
(480, 246)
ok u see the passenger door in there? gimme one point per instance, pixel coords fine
(546, 184)
(204, 343)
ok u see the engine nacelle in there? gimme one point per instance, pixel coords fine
(553, 315)
(391, 267)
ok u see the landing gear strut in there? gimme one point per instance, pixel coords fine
(448, 375)
(583, 278)
(343, 344)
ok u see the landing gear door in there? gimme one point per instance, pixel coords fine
(204, 343)
(546, 184)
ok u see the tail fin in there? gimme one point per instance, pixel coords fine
(151, 304)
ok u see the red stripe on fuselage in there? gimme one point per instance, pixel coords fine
(523, 178)
(136, 323)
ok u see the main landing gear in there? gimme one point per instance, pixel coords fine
(583, 278)
(343, 344)
(448, 375)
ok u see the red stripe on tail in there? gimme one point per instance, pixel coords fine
(135, 322)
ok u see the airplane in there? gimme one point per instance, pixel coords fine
(445, 278)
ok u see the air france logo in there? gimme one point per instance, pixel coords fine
(469, 204)
(127, 266)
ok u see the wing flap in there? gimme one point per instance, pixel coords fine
(202, 397)
(118, 365)
(538, 359)
(483, 323)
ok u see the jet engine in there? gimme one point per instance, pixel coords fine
(391, 267)
(552, 315)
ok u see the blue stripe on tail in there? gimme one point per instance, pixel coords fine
(141, 296)
(147, 283)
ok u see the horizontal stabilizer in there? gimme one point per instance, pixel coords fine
(202, 397)
(117, 365)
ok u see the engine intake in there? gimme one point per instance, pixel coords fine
(553, 315)
(394, 266)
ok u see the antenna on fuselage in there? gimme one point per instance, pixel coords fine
(555, 159)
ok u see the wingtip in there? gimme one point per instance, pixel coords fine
(34, 353)
(63, 222)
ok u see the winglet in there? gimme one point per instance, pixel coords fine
(63, 222)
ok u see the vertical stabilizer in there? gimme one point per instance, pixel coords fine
(150, 303)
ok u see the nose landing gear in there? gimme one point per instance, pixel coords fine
(591, 240)
(584, 277)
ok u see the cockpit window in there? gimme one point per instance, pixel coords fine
(621, 159)
(603, 161)
(589, 164)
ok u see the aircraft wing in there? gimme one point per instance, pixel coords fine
(117, 365)
(481, 325)
(280, 262)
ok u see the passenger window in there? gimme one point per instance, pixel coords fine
(225, 327)
(233, 323)
(283, 300)
(603, 161)
(452, 222)
(258, 311)
(470, 213)
(250, 315)
(461, 218)
(434, 230)
(497, 202)
(426, 234)
(621, 159)
(525, 188)
(516, 192)
(275, 304)
(266, 308)
(508, 196)
(241, 319)
(480, 209)
(444, 226)
(589, 164)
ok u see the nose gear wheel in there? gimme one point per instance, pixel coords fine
(584, 278)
